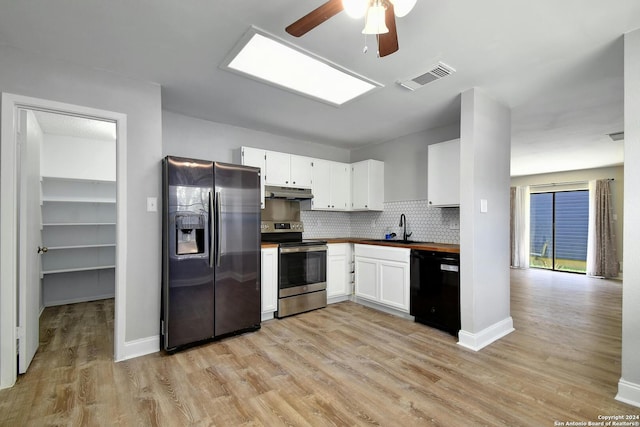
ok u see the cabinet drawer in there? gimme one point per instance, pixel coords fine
(383, 253)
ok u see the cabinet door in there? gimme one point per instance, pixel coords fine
(321, 184)
(367, 185)
(366, 271)
(269, 280)
(340, 186)
(301, 171)
(359, 186)
(443, 174)
(278, 166)
(394, 284)
(256, 158)
(337, 270)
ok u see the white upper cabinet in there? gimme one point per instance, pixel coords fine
(278, 168)
(340, 186)
(256, 158)
(288, 170)
(301, 171)
(367, 185)
(331, 189)
(321, 185)
(336, 186)
(443, 174)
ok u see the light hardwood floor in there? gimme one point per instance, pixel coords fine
(343, 365)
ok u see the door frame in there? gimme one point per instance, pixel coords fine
(9, 182)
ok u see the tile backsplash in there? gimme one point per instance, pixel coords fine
(427, 224)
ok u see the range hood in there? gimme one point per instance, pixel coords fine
(289, 193)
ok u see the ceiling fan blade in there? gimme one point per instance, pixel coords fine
(315, 18)
(388, 42)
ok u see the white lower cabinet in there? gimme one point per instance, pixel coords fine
(338, 272)
(269, 282)
(382, 275)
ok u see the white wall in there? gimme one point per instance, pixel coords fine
(485, 139)
(62, 156)
(629, 385)
(583, 175)
(35, 76)
(405, 162)
(201, 139)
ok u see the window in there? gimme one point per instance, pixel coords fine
(559, 229)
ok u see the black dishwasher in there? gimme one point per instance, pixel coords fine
(435, 289)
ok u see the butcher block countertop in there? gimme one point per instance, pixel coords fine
(423, 246)
(268, 245)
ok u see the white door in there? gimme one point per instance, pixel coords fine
(29, 239)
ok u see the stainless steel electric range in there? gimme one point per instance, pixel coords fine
(302, 264)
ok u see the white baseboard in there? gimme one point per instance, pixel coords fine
(339, 298)
(383, 308)
(628, 392)
(486, 336)
(266, 316)
(140, 347)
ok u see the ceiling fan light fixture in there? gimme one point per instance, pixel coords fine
(375, 23)
(355, 8)
(402, 7)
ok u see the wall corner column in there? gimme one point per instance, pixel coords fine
(485, 159)
(629, 384)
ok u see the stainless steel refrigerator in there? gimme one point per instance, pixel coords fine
(211, 251)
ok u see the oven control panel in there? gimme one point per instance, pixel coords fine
(281, 227)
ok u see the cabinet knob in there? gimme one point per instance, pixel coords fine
(430, 202)
(294, 182)
(286, 182)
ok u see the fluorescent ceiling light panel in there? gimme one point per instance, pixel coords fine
(268, 60)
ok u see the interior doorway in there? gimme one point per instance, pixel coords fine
(75, 161)
(80, 222)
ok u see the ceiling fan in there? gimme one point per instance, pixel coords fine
(380, 19)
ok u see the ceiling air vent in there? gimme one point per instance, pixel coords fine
(616, 136)
(439, 71)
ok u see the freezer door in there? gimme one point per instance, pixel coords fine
(237, 245)
(187, 313)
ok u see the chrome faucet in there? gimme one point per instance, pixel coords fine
(403, 223)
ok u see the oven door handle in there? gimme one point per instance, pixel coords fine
(296, 249)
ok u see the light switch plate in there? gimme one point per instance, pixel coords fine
(152, 204)
(483, 205)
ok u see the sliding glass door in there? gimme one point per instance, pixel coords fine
(559, 229)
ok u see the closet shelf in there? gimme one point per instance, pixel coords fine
(67, 224)
(103, 245)
(89, 180)
(68, 199)
(72, 270)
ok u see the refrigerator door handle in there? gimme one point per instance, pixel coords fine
(212, 231)
(218, 228)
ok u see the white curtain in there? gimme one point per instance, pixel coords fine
(591, 233)
(520, 227)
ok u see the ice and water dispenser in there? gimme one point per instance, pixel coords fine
(190, 233)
